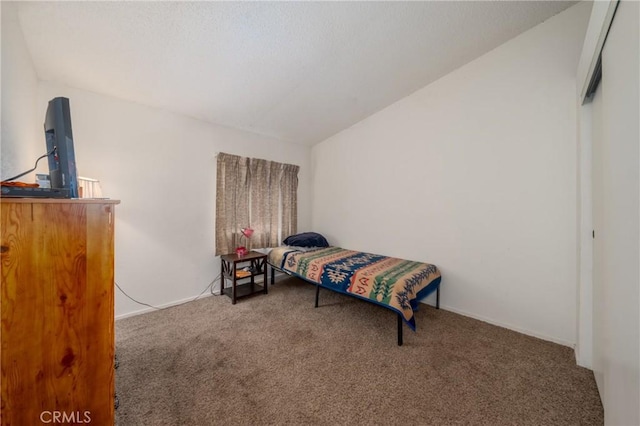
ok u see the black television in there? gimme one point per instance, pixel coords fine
(59, 139)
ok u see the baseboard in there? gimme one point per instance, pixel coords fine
(216, 292)
(487, 320)
(280, 275)
(509, 326)
(164, 305)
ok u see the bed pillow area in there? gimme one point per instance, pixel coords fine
(306, 239)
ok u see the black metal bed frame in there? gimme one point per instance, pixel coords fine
(400, 320)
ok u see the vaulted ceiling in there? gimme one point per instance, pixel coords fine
(297, 71)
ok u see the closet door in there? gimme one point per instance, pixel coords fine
(617, 220)
(598, 204)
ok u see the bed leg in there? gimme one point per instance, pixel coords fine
(399, 330)
(273, 275)
(317, 293)
(438, 298)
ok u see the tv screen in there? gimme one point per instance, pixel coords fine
(59, 139)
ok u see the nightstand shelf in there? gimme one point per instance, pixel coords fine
(233, 270)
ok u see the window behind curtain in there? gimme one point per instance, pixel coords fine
(255, 193)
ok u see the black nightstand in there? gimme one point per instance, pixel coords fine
(233, 268)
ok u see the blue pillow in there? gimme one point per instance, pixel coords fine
(306, 239)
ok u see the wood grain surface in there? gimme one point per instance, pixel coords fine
(57, 312)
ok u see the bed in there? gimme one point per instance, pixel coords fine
(392, 283)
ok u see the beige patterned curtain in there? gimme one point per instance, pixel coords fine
(275, 205)
(254, 193)
(260, 214)
(232, 201)
(289, 193)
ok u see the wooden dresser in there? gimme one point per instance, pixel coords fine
(57, 301)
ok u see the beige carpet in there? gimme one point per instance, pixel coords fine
(275, 359)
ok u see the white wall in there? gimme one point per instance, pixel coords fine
(477, 174)
(617, 218)
(161, 165)
(163, 168)
(22, 137)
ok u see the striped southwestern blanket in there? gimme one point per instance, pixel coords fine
(393, 283)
